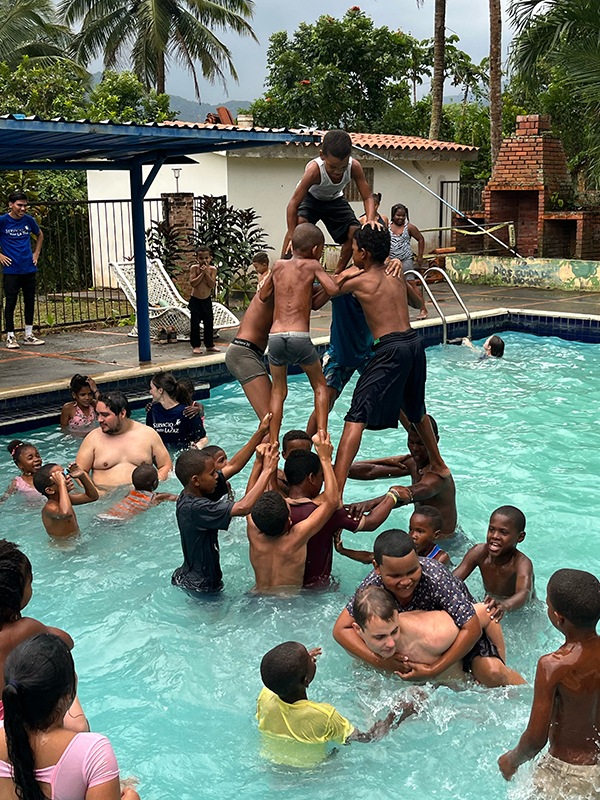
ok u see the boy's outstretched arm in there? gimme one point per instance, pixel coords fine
(523, 590)
(469, 562)
(536, 733)
(383, 726)
(364, 556)
(65, 507)
(244, 506)
(91, 493)
(242, 457)
(365, 192)
(373, 469)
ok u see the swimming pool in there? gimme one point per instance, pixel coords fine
(173, 682)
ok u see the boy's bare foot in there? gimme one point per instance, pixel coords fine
(212, 350)
(423, 314)
(197, 351)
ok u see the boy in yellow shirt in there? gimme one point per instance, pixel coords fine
(296, 730)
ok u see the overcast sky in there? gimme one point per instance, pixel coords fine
(467, 18)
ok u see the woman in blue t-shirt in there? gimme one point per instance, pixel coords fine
(166, 414)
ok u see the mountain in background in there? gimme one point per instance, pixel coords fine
(191, 111)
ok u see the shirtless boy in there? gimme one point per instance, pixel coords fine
(507, 574)
(566, 696)
(120, 445)
(424, 584)
(56, 484)
(395, 376)
(278, 548)
(203, 277)
(289, 340)
(320, 194)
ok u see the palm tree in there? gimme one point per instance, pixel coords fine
(437, 84)
(149, 34)
(563, 37)
(495, 78)
(28, 28)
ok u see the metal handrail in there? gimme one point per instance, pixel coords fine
(446, 277)
(432, 298)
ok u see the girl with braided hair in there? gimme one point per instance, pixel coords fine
(16, 577)
(39, 758)
(28, 460)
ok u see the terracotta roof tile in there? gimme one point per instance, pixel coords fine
(379, 141)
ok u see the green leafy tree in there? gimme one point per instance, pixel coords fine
(121, 97)
(48, 90)
(148, 34)
(556, 54)
(29, 28)
(333, 73)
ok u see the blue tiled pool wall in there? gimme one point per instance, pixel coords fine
(19, 414)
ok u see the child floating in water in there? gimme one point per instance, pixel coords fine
(55, 483)
(141, 497)
(493, 346)
(566, 696)
(80, 413)
(507, 574)
(16, 577)
(295, 729)
(28, 460)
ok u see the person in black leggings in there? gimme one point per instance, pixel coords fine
(19, 266)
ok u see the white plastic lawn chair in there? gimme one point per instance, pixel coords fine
(166, 306)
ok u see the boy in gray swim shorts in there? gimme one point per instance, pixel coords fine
(289, 340)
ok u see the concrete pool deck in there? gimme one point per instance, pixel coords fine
(110, 355)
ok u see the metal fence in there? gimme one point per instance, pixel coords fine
(466, 196)
(75, 285)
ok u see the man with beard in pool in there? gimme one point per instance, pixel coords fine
(120, 444)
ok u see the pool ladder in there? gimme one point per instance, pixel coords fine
(427, 290)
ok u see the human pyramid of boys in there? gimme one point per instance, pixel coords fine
(411, 615)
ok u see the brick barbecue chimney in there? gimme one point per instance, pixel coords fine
(530, 169)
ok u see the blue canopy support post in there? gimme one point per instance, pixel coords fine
(139, 256)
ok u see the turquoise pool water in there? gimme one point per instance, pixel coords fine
(173, 682)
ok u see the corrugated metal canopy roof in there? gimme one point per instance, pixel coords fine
(24, 139)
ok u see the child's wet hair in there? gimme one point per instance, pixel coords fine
(299, 465)
(306, 236)
(294, 436)
(189, 463)
(575, 595)
(38, 674)
(432, 514)
(177, 389)
(145, 477)
(42, 478)
(283, 669)
(15, 568)
(78, 382)
(393, 543)
(16, 448)
(516, 516)
(270, 514)
(261, 257)
(373, 601)
(375, 241)
(336, 143)
(496, 346)
(212, 450)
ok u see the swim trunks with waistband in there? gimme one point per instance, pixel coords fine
(244, 360)
(394, 380)
(554, 778)
(292, 347)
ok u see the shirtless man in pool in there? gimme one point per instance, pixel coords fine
(120, 445)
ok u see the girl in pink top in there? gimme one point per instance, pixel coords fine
(79, 415)
(38, 757)
(28, 460)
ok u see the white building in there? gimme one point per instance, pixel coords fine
(264, 178)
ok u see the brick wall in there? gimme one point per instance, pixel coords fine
(179, 210)
(467, 244)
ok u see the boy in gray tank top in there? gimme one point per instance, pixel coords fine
(320, 195)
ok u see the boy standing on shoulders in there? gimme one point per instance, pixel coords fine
(289, 340)
(19, 265)
(320, 194)
(507, 574)
(566, 699)
(203, 277)
(200, 518)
